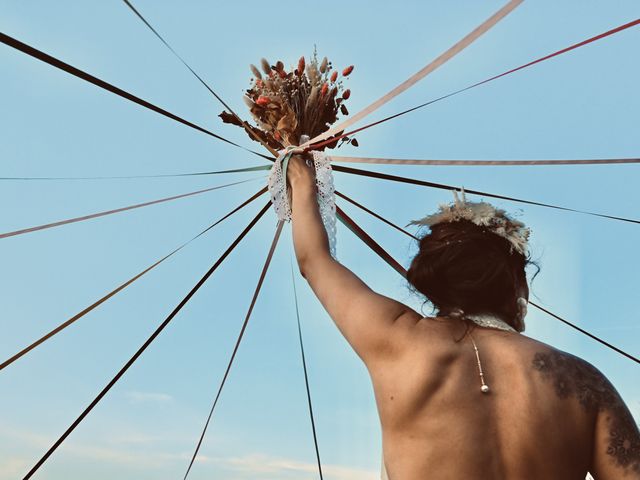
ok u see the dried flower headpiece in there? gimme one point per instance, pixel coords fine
(482, 214)
(303, 101)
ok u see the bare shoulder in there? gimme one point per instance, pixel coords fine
(574, 377)
(616, 434)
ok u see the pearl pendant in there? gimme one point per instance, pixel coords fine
(484, 388)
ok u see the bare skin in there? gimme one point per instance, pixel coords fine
(548, 415)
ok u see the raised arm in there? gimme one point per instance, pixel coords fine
(366, 319)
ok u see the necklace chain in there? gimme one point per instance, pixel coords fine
(484, 388)
(484, 320)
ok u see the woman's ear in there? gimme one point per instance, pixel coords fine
(523, 291)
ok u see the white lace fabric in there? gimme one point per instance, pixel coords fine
(278, 190)
(277, 184)
(490, 321)
(326, 196)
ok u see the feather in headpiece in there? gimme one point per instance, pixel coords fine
(482, 214)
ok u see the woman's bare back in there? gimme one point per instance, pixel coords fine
(548, 415)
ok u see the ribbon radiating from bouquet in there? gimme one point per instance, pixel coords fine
(290, 107)
(295, 112)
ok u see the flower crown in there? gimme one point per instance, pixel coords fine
(482, 214)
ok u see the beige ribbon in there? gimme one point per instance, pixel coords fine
(443, 58)
(402, 161)
(118, 210)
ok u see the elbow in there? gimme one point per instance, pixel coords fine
(303, 266)
(307, 264)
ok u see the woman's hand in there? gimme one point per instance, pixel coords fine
(301, 173)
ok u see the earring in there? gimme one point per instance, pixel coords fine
(522, 310)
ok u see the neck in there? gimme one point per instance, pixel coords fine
(488, 320)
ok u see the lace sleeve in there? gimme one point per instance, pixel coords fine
(326, 192)
(326, 196)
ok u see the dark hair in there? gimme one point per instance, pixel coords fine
(461, 265)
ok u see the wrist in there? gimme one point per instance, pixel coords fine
(303, 187)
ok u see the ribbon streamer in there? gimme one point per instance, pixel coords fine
(121, 287)
(237, 345)
(467, 163)
(35, 53)
(372, 213)
(442, 59)
(306, 375)
(117, 210)
(155, 32)
(588, 334)
(360, 233)
(371, 243)
(441, 186)
(167, 175)
(144, 346)
(430, 102)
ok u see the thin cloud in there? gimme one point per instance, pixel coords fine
(14, 467)
(245, 467)
(148, 397)
(284, 468)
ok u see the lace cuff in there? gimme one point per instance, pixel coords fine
(325, 196)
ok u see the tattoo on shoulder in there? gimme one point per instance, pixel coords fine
(575, 378)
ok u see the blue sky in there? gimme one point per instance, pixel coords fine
(580, 105)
